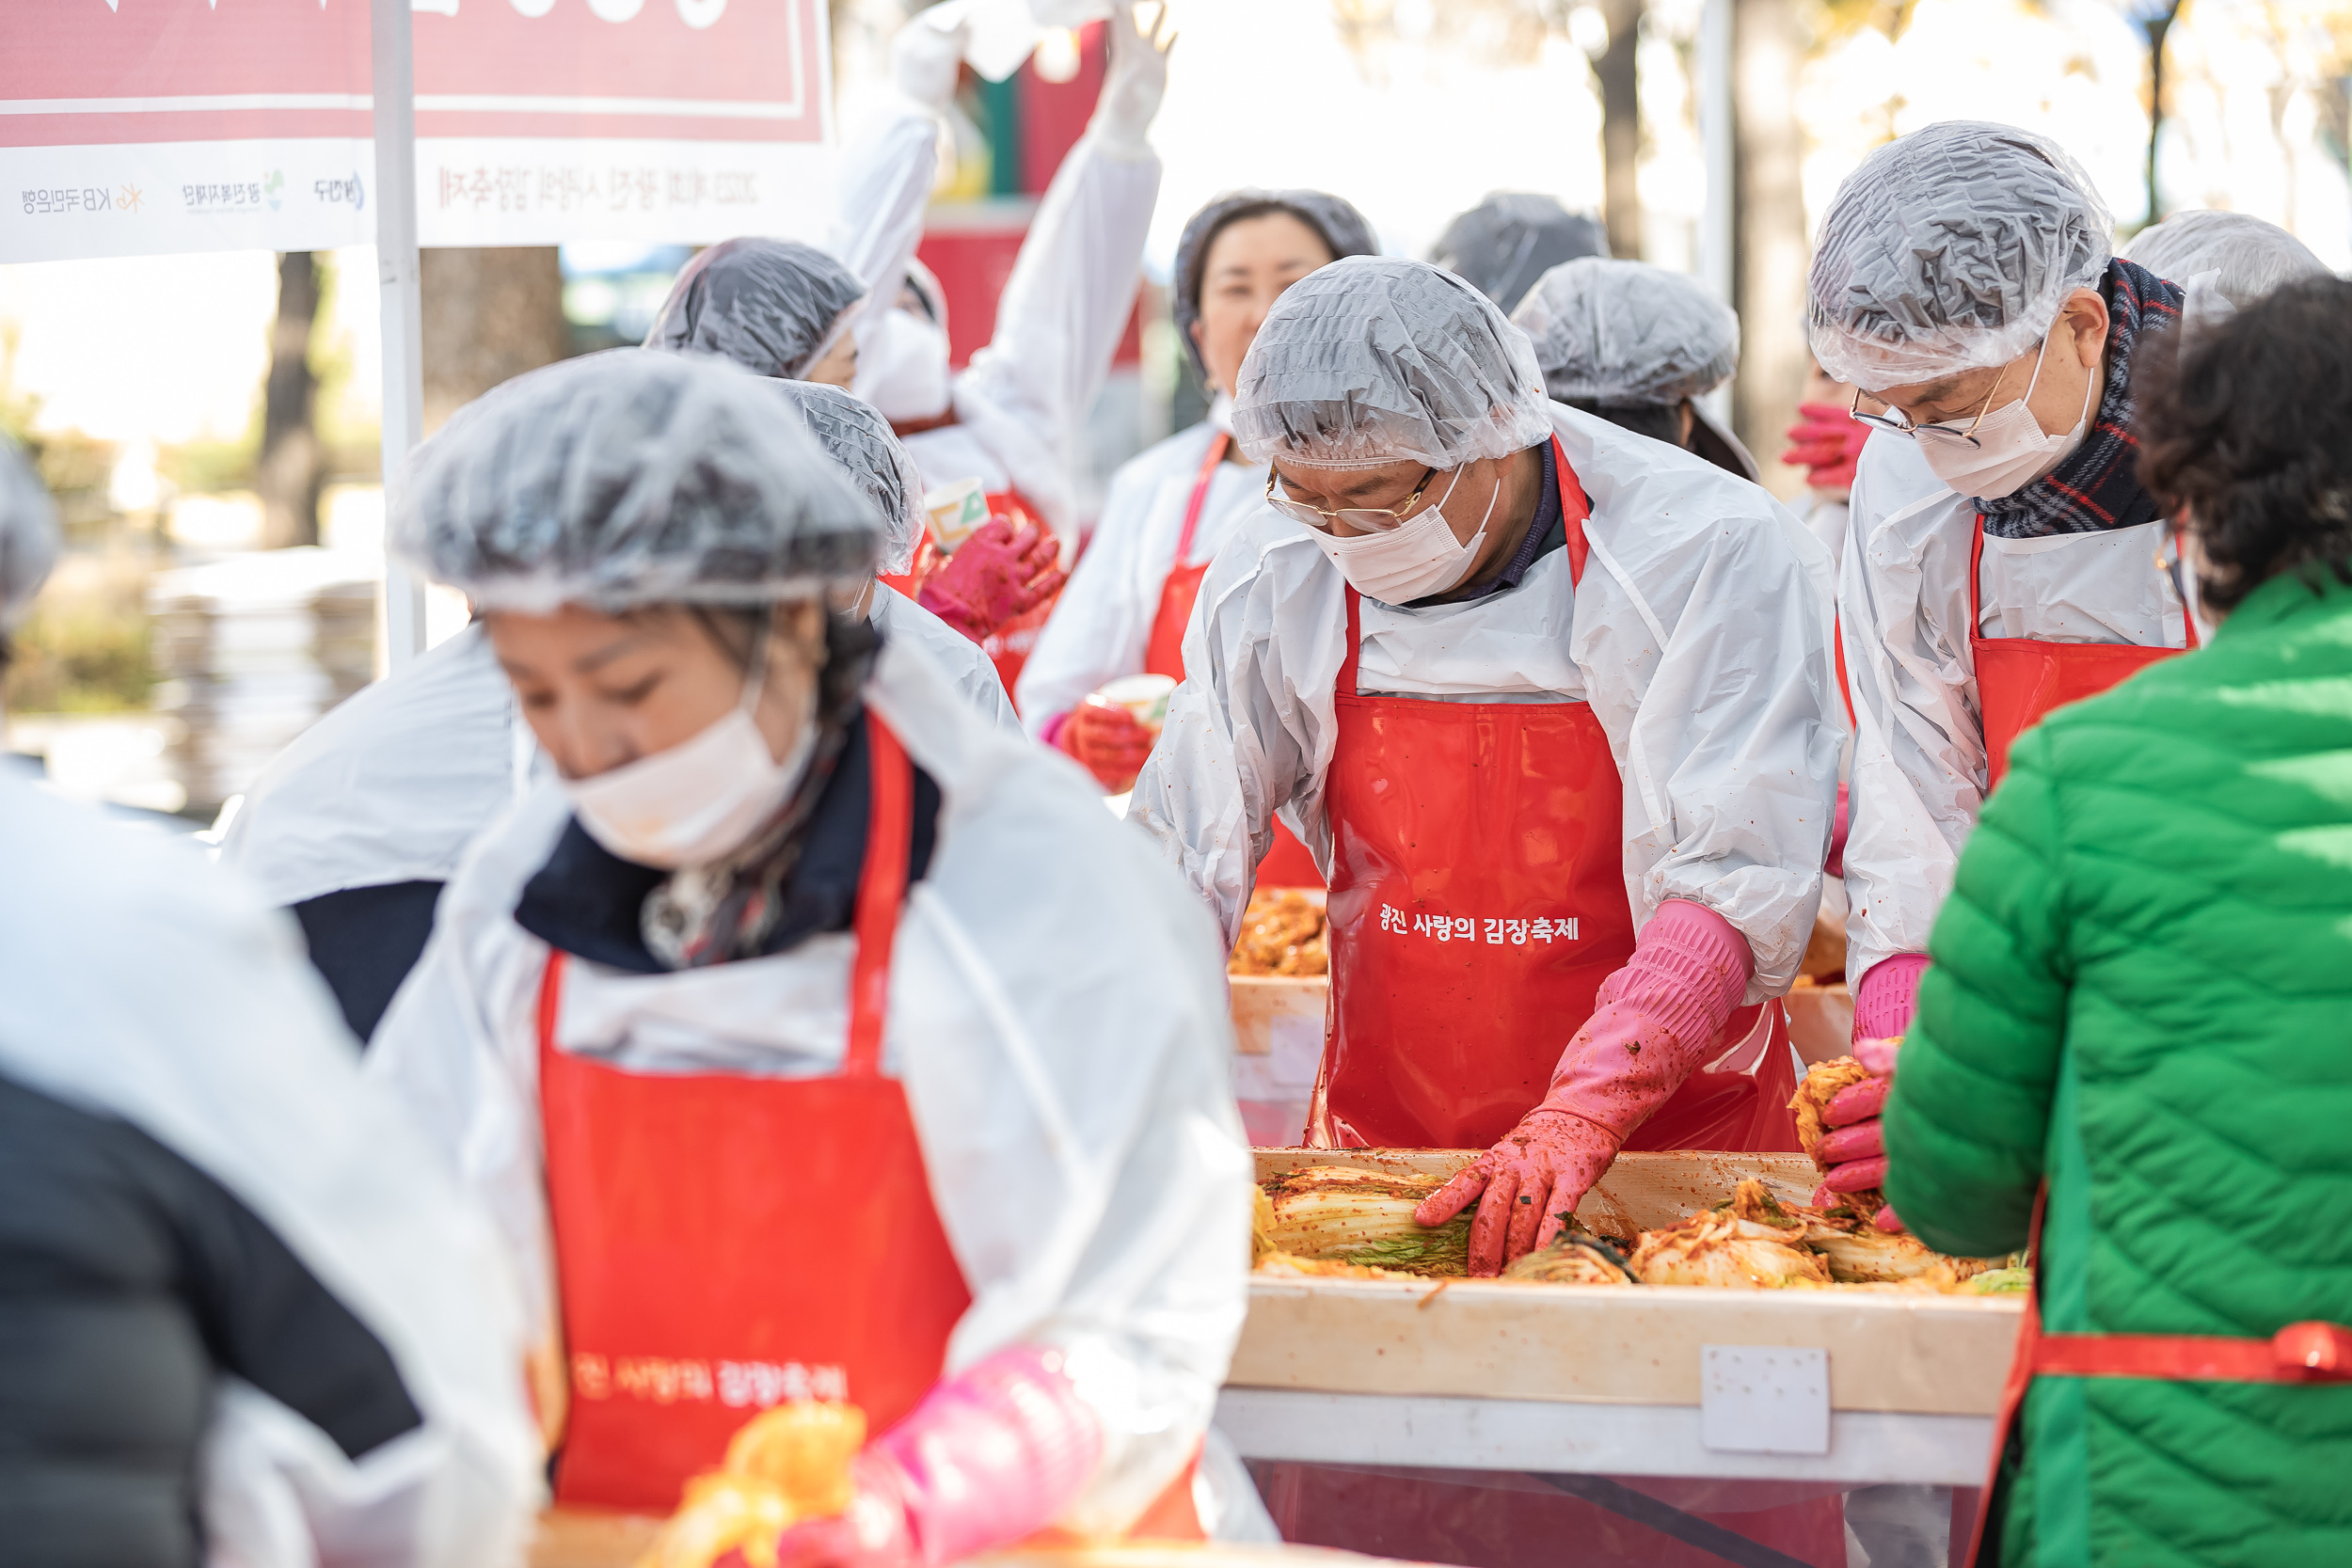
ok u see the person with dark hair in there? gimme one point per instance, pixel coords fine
(1504, 243)
(1639, 346)
(769, 1026)
(1174, 506)
(2132, 1037)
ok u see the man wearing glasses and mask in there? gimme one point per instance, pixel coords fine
(2003, 558)
(1552, 705)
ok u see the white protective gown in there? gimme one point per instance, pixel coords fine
(1902, 603)
(1021, 404)
(392, 784)
(136, 982)
(1102, 625)
(1097, 1198)
(1700, 635)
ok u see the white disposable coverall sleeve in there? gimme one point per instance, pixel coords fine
(390, 785)
(1058, 322)
(1700, 634)
(1096, 1199)
(1919, 763)
(888, 173)
(972, 672)
(191, 1014)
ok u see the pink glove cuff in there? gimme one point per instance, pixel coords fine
(1049, 733)
(1655, 1020)
(993, 1454)
(1883, 1003)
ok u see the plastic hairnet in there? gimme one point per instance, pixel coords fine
(1376, 360)
(28, 534)
(1948, 250)
(1342, 230)
(855, 434)
(2248, 257)
(624, 478)
(772, 306)
(1511, 239)
(1626, 332)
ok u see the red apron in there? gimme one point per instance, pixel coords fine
(1287, 863)
(725, 1242)
(1477, 903)
(2300, 1352)
(2021, 678)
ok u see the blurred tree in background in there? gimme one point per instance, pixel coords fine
(489, 315)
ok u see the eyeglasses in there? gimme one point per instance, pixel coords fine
(1940, 433)
(1368, 519)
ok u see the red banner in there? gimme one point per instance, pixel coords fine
(133, 126)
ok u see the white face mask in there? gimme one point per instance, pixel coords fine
(1416, 558)
(693, 803)
(2011, 452)
(903, 366)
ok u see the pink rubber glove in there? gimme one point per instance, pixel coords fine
(1110, 742)
(991, 1456)
(1653, 1023)
(1883, 1003)
(1826, 441)
(995, 576)
(1854, 1153)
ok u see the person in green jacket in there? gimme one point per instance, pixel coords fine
(2141, 995)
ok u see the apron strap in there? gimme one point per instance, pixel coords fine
(1200, 482)
(1976, 591)
(1574, 509)
(880, 893)
(550, 997)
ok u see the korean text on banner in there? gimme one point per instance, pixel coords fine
(132, 127)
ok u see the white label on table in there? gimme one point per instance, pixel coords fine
(1758, 1398)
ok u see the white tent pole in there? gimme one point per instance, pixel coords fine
(1719, 145)
(395, 121)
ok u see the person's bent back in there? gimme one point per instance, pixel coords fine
(243, 1315)
(2140, 994)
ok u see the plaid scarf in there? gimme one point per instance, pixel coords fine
(2097, 486)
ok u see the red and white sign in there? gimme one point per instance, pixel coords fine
(143, 126)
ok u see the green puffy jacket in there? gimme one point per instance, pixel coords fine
(2142, 991)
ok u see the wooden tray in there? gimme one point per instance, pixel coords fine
(1613, 1344)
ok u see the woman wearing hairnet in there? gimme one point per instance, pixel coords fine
(1011, 420)
(357, 824)
(1173, 508)
(1466, 605)
(1637, 345)
(759, 922)
(247, 1319)
(1504, 243)
(2003, 556)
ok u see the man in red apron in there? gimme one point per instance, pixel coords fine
(732, 1023)
(1555, 705)
(2005, 558)
(1173, 507)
